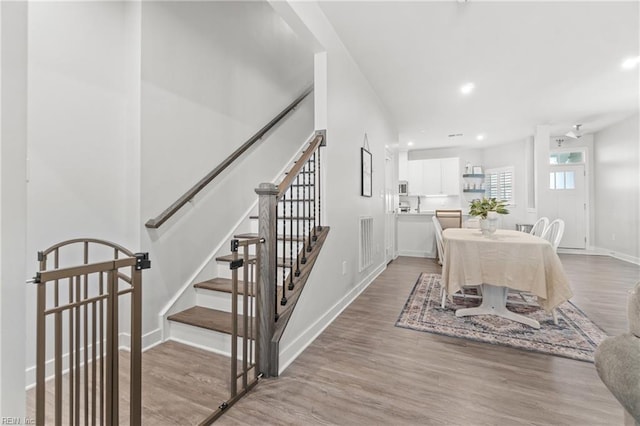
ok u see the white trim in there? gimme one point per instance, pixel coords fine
(597, 251)
(149, 340)
(416, 253)
(300, 343)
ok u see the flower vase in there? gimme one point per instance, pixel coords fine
(492, 219)
(489, 225)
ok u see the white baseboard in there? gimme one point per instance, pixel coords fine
(624, 257)
(295, 348)
(598, 251)
(416, 253)
(149, 340)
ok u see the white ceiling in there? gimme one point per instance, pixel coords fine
(555, 63)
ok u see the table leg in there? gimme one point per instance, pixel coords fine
(494, 302)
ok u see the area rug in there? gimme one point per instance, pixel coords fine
(574, 337)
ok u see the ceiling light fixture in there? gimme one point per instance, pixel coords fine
(467, 88)
(410, 143)
(631, 63)
(575, 133)
(480, 137)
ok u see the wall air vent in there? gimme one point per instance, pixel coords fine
(454, 135)
(366, 243)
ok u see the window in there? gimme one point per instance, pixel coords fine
(566, 158)
(562, 180)
(499, 184)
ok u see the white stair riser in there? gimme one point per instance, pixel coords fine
(225, 272)
(220, 301)
(203, 338)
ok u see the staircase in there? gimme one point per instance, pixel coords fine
(299, 237)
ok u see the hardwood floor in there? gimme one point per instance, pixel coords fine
(363, 370)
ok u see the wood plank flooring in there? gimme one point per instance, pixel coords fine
(362, 370)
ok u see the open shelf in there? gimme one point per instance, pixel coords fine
(473, 190)
(468, 175)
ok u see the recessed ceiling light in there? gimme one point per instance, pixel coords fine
(467, 88)
(631, 63)
(410, 143)
(480, 137)
(422, 131)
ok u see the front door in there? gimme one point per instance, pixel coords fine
(569, 200)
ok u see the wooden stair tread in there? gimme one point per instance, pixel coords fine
(229, 258)
(221, 284)
(209, 319)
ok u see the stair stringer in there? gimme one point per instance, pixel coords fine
(186, 295)
(285, 314)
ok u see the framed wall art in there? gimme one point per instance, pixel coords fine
(365, 173)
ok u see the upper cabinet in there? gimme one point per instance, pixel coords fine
(403, 165)
(416, 178)
(450, 174)
(434, 176)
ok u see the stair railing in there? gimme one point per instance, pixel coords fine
(157, 221)
(289, 222)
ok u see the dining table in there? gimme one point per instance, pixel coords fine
(501, 261)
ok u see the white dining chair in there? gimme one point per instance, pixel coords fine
(439, 242)
(437, 226)
(553, 233)
(539, 227)
(440, 248)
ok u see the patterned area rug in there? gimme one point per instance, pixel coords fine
(574, 337)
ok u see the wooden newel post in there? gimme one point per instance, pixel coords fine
(268, 199)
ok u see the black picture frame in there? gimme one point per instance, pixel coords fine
(366, 181)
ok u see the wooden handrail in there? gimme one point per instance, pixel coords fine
(291, 175)
(188, 196)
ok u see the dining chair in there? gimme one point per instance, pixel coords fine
(553, 233)
(449, 218)
(540, 226)
(437, 226)
(439, 242)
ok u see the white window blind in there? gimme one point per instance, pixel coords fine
(499, 184)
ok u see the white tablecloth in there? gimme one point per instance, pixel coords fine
(511, 259)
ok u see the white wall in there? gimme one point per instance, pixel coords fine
(13, 203)
(617, 188)
(81, 130)
(352, 109)
(213, 73)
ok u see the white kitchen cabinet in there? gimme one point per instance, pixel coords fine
(439, 176)
(432, 175)
(403, 165)
(415, 177)
(450, 176)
